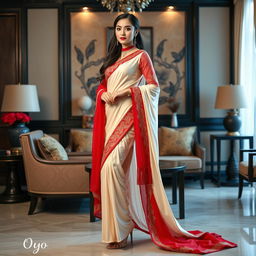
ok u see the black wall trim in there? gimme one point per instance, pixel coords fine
(65, 122)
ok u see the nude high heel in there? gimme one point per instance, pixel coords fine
(121, 244)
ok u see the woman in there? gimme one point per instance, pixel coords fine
(126, 181)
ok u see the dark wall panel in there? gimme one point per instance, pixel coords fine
(10, 62)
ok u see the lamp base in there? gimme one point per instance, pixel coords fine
(16, 150)
(233, 133)
(232, 123)
(14, 132)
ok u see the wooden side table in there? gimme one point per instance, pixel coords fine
(13, 192)
(232, 164)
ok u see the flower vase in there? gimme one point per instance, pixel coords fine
(174, 120)
(14, 132)
(87, 121)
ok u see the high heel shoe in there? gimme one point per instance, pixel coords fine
(121, 244)
(131, 236)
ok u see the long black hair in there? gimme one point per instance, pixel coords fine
(114, 47)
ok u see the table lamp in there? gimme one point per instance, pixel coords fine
(231, 97)
(19, 98)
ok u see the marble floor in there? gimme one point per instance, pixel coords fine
(63, 228)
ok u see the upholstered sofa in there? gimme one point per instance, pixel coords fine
(178, 144)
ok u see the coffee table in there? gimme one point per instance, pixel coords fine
(175, 170)
(88, 168)
(172, 169)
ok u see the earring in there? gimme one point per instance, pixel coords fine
(116, 43)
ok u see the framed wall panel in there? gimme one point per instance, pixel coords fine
(171, 55)
(10, 61)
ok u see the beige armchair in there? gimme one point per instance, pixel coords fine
(48, 178)
(171, 140)
(247, 169)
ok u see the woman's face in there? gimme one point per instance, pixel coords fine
(125, 32)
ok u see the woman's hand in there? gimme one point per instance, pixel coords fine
(107, 97)
(119, 94)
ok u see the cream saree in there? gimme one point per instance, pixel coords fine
(125, 181)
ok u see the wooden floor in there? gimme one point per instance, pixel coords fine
(63, 228)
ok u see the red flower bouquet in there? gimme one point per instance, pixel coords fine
(11, 118)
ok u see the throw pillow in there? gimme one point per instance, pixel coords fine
(81, 141)
(51, 149)
(177, 142)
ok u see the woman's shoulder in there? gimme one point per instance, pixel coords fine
(144, 53)
(138, 51)
(144, 56)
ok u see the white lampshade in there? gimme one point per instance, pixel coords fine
(230, 97)
(20, 98)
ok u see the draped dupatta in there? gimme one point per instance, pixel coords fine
(98, 147)
(158, 218)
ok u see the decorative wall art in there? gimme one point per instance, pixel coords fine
(164, 39)
(87, 50)
(170, 85)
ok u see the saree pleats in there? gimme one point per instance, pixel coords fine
(116, 220)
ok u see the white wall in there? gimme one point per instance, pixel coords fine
(43, 60)
(214, 66)
(214, 54)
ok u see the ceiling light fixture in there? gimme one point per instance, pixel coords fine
(170, 8)
(125, 5)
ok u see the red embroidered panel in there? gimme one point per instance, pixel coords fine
(141, 138)
(147, 69)
(122, 128)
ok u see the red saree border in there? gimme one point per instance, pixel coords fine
(202, 243)
(144, 175)
(112, 68)
(120, 131)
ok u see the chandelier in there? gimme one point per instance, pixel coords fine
(125, 5)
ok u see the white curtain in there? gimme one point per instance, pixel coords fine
(245, 61)
(255, 18)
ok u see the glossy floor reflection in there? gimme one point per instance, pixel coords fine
(63, 228)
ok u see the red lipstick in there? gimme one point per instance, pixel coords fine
(122, 38)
